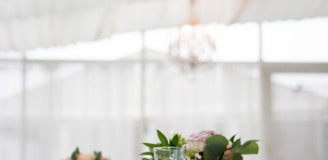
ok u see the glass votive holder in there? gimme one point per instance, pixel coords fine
(169, 153)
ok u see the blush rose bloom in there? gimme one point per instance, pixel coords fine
(196, 141)
(228, 152)
(85, 157)
(88, 157)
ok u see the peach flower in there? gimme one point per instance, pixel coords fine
(228, 152)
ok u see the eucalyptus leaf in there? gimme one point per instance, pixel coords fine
(249, 147)
(213, 151)
(162, 138)
(217, 139)
(238, 157)
(224, 158)
(215, 147)
(236, 146)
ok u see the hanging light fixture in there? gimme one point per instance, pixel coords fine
(195, 44)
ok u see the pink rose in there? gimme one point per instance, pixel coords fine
(229, 145)
(228, 152)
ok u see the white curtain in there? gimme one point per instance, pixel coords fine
(91, 106)
(28, 24)
(59, 99)
(221, 98)
(97, 106)
(10, 110)
(203, 98)
(299, 124)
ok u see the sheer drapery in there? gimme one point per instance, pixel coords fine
(214, 95)
(28, 24)
(105, 98)
(300, 117)
(221, 98)
(92, 106)
(10, 110)
(96, 106)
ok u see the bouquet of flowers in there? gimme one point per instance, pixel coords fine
(76, 155)
(205, 145)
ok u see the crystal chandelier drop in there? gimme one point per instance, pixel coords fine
(195, 44)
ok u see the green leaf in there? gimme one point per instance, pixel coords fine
(152, 145)
(235, 146)
(147, 153)
(232, 138)
(97, 155)
(249, 147)
(75, 153)
(175, 140)
(224, 158)
(215, 147)
(162, 138)
(238, 157)
(146, 159)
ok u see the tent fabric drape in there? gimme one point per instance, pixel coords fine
(97, 107)
(30, 24)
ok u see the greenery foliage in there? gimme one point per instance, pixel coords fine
(216, 147)
(176, 141)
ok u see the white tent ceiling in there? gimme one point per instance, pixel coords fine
(28, 24)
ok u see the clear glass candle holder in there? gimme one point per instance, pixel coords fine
(169, 153)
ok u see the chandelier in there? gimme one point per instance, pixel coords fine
(195, 44)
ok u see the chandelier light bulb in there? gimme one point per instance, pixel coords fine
(195, 43)
(186, 31)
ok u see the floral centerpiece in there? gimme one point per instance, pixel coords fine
(205, 145)
(76, 155)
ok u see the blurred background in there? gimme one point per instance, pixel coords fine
(105, 74)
